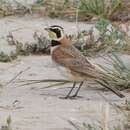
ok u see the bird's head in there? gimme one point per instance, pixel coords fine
(55, 32)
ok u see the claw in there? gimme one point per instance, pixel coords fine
(71, 97)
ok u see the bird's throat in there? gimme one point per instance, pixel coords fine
(64, 41)
(54, 43)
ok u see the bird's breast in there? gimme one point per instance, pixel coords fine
(53, 48)
(69, 74)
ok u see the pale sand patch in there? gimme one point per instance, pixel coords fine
(41, 109)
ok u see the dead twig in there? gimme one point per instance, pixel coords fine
(52, 85)
(60, 81)
(46, 80)
(21, 72)
(27, 8)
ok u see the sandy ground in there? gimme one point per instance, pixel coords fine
(34, 108)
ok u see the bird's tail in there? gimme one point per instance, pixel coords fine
(105, 84)
(99, 76)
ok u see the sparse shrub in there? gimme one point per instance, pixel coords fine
(110, 39)
(39, 46)
(8, 8)
(8, 124)
(40, 2)
(118, 75)
(4, 57)
(7, 58)
(102, 8)
(102, 24)
(20, 50)
(111, 36)
(92, 126)
(85, 126)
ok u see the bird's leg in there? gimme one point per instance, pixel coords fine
(68, 95)
(76, 93)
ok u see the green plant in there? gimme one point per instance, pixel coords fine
(66, 3)
(84, 126)
(20, 50)
(96, 7)
(7, 58)
(102, 24)
(39, 46)
(8, 124)
(118, 75)
(4, 57)
(101, 8)
(7, 8)
(39, 2)
(111, 39)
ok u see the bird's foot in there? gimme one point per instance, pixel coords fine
(71, 97)
(75, 96)
(64, 97)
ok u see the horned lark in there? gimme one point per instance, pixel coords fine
(79, 68)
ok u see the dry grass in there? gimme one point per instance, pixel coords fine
(7, 58)
(111, 39)
(8, 8)
(104, 124)
(118, 75)
(40, 46)
(87, 9)
(8, 124)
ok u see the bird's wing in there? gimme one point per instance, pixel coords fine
(73, 59)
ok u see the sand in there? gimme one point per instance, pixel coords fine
(33, 107)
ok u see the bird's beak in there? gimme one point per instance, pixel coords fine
(47, 29)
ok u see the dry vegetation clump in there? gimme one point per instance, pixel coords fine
(87, 9)
(8, 8)
(39, 46)
(122, 14)
(111, 43)
(86, 126)
(118, 75)
(56, 8)
(102, 8)
(104, 123)
(8, 124)
(111, 39)
(117, 10)
(7, 58)
(66, 9)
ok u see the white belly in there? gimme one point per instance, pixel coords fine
(67, 74)
(53, 48)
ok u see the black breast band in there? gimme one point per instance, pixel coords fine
(54, 43)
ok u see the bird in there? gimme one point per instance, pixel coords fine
(78, 67)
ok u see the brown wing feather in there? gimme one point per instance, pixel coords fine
(72, 58)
